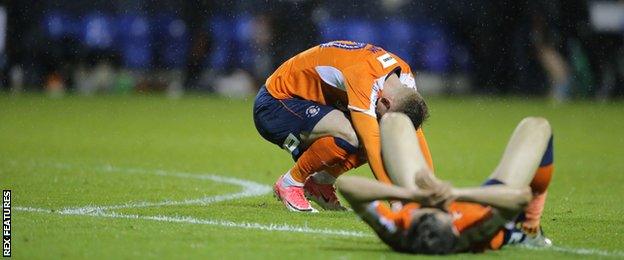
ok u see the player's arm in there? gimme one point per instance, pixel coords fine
(505, 198)
(424, 147)
(360, 191)
(367, 129)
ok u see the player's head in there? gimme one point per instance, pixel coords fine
(405, 100)
(431, 232)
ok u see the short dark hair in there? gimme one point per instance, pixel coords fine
(429, 235)
(414, 106)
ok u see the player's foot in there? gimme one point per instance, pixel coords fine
(323, 194)
(519, 237)
(292, 197)
(537, 240)
(531, 226)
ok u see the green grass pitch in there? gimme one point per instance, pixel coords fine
(67, 159)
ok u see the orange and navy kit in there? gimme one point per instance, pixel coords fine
(344, 75)
(478, 227)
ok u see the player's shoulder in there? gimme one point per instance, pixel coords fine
(467, 207)
(358, 50)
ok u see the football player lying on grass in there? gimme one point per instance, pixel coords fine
(437, 218)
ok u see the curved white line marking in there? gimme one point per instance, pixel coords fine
(250, 189)
(212, 222)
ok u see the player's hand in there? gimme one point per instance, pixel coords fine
(442, 195)
(439, 196)
(531, 227)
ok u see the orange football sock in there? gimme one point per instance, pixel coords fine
(352, 161)
(539, 185)
(542, 178)
(324, 153)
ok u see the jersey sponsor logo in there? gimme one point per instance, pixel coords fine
(347, 45)
(386, 60)
(312, 111)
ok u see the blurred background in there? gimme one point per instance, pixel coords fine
(561, 50)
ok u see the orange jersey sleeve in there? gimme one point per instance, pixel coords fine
(479, 227)
(424, 147)
(367, 129)
(364, 85)
(388, 224)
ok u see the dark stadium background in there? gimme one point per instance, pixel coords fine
(560, 49)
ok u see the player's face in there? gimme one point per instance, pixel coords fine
(440, 215)
(383, 106)
(389, 98)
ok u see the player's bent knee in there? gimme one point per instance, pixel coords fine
(394, 120)
(345, 145)
(347, 135)
(537, 124)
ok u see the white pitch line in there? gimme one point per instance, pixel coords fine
(31, 209)
(250, 189)
(210, 222)
(144, 204)
(292, 228)
(580, 251)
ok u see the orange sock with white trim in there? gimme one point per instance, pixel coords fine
(324, 153)
(353, 161)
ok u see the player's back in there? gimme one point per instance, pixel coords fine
(321, 73)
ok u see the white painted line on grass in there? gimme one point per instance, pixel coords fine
(250, 189)
(291, 228)
(210, 222)
(31, 209)
(580, 251)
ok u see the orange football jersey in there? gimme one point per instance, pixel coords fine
(478, 228)
(342, 74)
(349, 76)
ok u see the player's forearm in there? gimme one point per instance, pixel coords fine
(498, 196)
(424, 148)
(358, 191)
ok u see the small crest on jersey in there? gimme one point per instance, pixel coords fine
(386, 60)
(312, 111)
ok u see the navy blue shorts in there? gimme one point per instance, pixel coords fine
(281, 121)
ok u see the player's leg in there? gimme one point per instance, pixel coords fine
(539, 185)
(527, 160)
(283, 122)
(317, 137)
(402, 156)
(329, 142)
(324, 162)
(523, 153)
